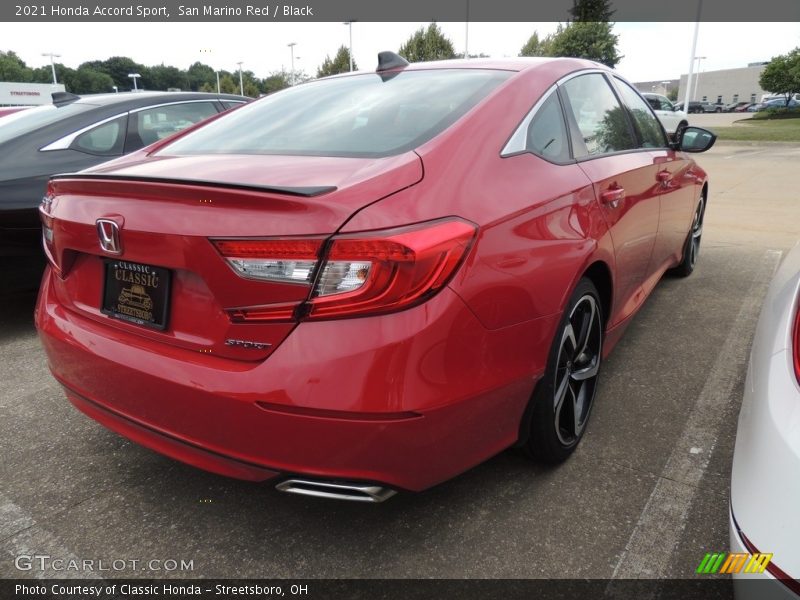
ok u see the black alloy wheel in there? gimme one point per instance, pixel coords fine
(564, 396)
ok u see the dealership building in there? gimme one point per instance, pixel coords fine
(726, 86)
(27, 94)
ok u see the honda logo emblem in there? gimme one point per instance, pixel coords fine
(108, 232)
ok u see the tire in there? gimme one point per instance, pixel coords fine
(691, 247)
(569, 384)
(719, 110)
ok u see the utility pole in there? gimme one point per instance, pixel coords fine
(241, 84)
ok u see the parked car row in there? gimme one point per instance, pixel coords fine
(700, 107)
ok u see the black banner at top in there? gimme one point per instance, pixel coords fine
(388, 11)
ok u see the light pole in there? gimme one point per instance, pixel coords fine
(691, 62)
(291, 46)
(52, 63)
(466, 34)
(697, 77)
(134, 76)
(350, 25)
(241, 84)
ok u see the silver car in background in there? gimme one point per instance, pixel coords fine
(765, 482)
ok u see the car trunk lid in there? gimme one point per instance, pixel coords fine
(165, 218)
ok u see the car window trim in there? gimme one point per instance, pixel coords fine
(65, 142)
(517, 142)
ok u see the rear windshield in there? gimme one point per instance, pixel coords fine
(31, 119)
(360, 116)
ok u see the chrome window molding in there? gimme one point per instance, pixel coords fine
(518, 141)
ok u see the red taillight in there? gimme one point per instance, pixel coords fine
(796, 342)
(356, 274)
(389, 270)
(48, 234)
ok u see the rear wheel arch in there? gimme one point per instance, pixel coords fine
(599, 273)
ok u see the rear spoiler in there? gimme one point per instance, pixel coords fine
(301, 191)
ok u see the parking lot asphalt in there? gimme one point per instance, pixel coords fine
(645, 495)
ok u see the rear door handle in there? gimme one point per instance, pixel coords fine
(613, 196)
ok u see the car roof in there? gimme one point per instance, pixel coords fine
(150, 97)
(518, 63)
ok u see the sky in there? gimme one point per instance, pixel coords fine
(652, 51)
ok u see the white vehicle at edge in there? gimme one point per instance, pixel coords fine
(765, 481)
(671, 119)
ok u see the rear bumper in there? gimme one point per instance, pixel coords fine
(406, 400)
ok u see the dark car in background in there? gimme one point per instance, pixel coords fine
(700, 107)
(72, 134)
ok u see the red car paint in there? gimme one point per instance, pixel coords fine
(407, 399)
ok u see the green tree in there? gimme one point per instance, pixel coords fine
(118, 68)
(227, 84)
(782, 75)
(198, 74)
(339, 64)
(427, 44)
(86, 80)
(591, 11)
(536, 46)
(276, 81)
(162, 77)
(13, 68)
(593, 40)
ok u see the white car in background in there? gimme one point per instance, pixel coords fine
(671, 119)
(765, 482)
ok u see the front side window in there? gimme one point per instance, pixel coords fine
(602, 122)
(649, 128)
(369, 115)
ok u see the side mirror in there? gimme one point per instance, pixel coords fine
(694, 139)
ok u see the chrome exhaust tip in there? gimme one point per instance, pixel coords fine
(355, 492)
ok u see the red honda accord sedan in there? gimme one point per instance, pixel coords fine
(370, 282)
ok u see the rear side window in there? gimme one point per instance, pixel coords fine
(647, 124)
(369, 115)
(104, 140)
(547, 133)
(153, 124)
(601, 121)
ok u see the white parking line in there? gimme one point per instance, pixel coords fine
(738, 154)
(649, 549)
